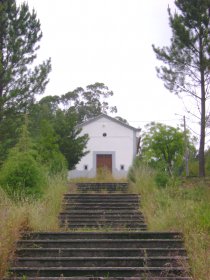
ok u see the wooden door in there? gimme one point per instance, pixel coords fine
(104, 162)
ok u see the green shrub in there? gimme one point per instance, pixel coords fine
(193, 168)
(135, 166)
(161, 179)
(57, 164)
(21, 174)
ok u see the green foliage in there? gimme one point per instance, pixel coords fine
(161, 179)
(186, 63)
(90, 102)
(189, 48)
(9, 134)
(20, 81)
(193, 165)
(207, 162)
(24, 214)
(163, 147)
(135, 166)
(70, 142)
(193, 168)
(49, 154)
(58, 164)
(182, 207)
(21, 173)
(159, 176)
(61, 116)
(146, 176)
(121, 120)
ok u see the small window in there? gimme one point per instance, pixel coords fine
(104, 134)
(122, 167)
(85, 167)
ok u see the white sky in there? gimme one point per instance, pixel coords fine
(110, 41)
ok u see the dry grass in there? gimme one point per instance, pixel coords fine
(103, 176)
(178, 208)
(36, 215)
(12, 220)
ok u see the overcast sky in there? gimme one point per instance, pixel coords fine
(109, 41)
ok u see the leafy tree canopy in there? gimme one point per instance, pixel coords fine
(90, 102)
(53, 127)
(65, 112)
(70, 142)
(121, 119)
(164, 147)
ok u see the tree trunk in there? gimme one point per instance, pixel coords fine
(203, 115)
(202, 140)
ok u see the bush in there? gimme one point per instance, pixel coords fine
(57, 164)
(21, 174)
(135, 166)
(161, 179)
(193, 168)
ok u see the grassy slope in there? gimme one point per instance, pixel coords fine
(28, 215)
(184, 207)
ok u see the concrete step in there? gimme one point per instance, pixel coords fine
(100, 252)
(103, 226)
(102, 196)
(98, 271)
(101, 243)
(113, 252)
(103, 235)
(100, 218)
(102, 204)
(100, 207)
(99, 261)
(104, 221)
(103, 184)
(98, 187)
(99, 200)
(101, 212)
(105, 278)
(105, 195)
(101, 189)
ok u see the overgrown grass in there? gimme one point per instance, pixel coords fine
(103, 175)
(28, 214)
(182, 206)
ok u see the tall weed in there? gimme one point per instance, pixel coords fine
(103, 176)
(24, 214)
(178, 208)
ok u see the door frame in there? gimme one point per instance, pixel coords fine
(104, 161)
(113, 154)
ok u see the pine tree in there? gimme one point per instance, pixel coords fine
(20, 79)
(186, 61)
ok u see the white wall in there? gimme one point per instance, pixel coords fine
(120, 142)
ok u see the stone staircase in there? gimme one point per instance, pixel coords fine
(100, 187)
(102, 211)
(103, 237)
